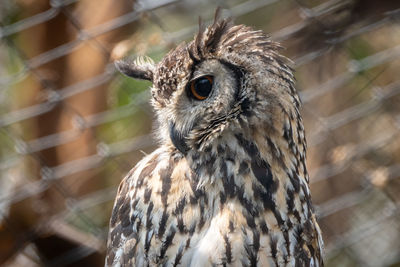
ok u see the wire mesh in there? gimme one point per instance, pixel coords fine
(68, 134)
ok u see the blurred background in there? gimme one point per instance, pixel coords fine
(71, 127)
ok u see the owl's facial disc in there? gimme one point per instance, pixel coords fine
(203, 105)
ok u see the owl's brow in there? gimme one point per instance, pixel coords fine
(239, 74)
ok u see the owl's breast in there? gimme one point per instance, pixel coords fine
(227, 240)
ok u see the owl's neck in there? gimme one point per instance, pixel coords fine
(264, 172)
(258, 180)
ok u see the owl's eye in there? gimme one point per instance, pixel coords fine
(201, 87)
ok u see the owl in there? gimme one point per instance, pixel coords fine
(228, 185)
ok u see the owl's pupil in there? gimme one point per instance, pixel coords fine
(203, 86)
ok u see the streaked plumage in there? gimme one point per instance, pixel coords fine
(228, 185)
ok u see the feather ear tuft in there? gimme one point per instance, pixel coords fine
(142, 68)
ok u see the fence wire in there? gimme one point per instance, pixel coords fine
(68, 137)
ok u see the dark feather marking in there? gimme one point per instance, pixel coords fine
(303, 161)
(262, 171)
(251, 255)
(288, 135)
(263, 227)
(256, 240)
(274, 249)
(191, 232)
(134, 204)
(230, 157)
(180, 206)
(260, 168)
(138, 225)
(231, 227)
(114, 216)
(178, 256)
(146, 172)
(276, 152)
(162, 224)
(228, 182)
(222, 199)
(127, 230)
(117, 214)
(252, 251)
(290, 201)
(285, 234)
(297, 215)
(308, 228)
(295, 179)
(116, 236)
(228, 249)
(149, 217)
(147, 242)
(246, 107)
(300, 254)
(243, 168)
(278, 217)
(167, 242)
(207, 149)
(261, 194)
(181, 224)
(248, 206)
(311, 248)
(221, 149)
(201, 221)
(249, 219)
(188, 242)
(197, 193)
(289, 224)
(165, 177)
(123, 212)
(269, 204)
(133, 217)
(146, 195)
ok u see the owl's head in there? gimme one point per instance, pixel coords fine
(229, 79)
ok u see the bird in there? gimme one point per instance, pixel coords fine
(228, 184)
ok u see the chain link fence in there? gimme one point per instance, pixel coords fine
(71, 127)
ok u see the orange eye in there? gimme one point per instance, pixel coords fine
(201, 88)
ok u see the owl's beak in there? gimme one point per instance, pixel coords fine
(178, 138)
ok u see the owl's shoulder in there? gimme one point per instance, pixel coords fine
(145, 195)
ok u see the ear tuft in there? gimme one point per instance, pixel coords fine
(142, 68)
